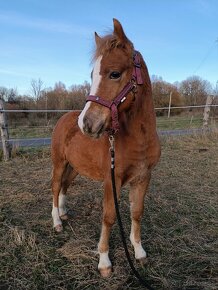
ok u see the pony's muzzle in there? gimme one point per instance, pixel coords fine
(94, 120)
(93, 126)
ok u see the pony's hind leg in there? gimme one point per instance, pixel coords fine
(61, 179)
(58, 170)
(136, 197)
(68, 176)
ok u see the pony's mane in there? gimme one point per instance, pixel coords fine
(109, 42)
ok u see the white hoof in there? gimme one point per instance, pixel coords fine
(58, 228)
(105, 272)
(64, 217)
(104, 265)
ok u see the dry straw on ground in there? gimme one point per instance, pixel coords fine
(179, 225)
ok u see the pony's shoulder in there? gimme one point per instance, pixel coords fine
(67, 123)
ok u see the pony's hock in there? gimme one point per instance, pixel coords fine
(120, 102)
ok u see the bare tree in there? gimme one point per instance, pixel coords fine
(195, 90)
(162, 93)
(9, 95)
(36, 88)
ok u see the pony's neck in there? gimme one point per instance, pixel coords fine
(142, 114)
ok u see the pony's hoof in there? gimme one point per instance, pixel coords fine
(106, 272)
(58, 228)
(64, 217)
(143, 261)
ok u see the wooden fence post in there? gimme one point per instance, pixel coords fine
(207, 110)
(4, 133)
(170, 100)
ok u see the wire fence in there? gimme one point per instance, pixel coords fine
(34, 127)
(65, 111)
(31, 125)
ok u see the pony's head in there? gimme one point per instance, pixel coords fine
(113, 66)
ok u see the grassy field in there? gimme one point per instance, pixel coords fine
(179, 122)
(183, 121)
(179, 227)
(30, 132)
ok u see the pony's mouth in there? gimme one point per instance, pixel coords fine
(95, 133)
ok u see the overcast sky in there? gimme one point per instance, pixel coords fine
(53, 39)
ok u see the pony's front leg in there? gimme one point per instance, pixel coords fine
(109, 216)
(136, 197)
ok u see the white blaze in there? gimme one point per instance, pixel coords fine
(96, 79)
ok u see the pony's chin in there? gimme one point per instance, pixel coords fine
(95, 135)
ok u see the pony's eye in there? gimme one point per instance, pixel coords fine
(115, 75)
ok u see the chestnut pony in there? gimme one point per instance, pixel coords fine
(80, 143)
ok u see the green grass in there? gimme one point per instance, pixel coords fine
(179, 227)
(30, 132)
(163, 123)
(179, 122)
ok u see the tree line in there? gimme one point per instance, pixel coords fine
(191, 92)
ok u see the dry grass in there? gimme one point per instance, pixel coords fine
(179, 225)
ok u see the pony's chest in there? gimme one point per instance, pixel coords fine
(133, 166)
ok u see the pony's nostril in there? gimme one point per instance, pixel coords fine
(100, 128)
(93, 127)
(87, 125)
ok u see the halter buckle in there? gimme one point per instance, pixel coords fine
(134, 85)
(111, 140)
(112, 151)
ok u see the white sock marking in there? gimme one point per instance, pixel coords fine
(96, 79)
(138, 249)
(61, 202)
(104, 261)
(55, 216)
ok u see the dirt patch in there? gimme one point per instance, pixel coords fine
(179, 227)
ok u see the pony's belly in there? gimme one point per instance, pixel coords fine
(88, 171)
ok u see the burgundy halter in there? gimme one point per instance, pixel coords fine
(130, 86)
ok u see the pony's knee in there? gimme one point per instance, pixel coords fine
(136, 210)
(109, 220)
(136, 215)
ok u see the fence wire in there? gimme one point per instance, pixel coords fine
(65, 111)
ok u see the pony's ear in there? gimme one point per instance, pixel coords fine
(118, 31)
(97, 39)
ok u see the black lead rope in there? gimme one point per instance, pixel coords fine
(122, 232)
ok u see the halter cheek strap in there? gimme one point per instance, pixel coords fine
(130, 86)
(112, 105)
(137, 68)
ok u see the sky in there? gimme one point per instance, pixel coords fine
(53, 39)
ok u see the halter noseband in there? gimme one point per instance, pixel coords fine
(130, 86)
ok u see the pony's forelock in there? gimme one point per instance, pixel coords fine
(108, 43)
